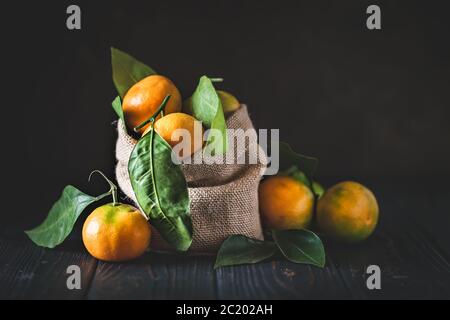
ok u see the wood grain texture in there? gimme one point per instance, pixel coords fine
(31, 272)
(155, 276)
(280, 279)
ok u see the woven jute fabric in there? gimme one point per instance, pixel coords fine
(223, 196)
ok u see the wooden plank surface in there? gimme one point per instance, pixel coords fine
(155, 276)
(280, 279)
(414, 263)
(31, 272)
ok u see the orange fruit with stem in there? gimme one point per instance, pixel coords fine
(116, 231)
(143, 99)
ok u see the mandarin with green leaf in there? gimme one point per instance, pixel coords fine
(285, 203)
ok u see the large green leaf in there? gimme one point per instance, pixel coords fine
(127, 70)
(161, 190)
(305, 164)
(300, 246)
(239, 249)
(61, 218)
(206, 107)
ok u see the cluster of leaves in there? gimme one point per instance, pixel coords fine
(299, 246)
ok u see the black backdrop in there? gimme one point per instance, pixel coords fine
(368, 104)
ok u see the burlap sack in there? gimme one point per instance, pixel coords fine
(223, 197)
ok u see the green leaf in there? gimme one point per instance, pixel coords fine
(206, 107)
(298, 175)
(300, 246)
(61, 218)
(117, 107)
(239, 249)
(161, 190)
(289, 158)
(127, 71)
(317, 189)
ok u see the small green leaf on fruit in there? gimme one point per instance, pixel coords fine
(207, 107)
(317, 189)
(298, 175)
(117, 107)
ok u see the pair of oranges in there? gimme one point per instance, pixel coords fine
(348, 211)
(144, 98)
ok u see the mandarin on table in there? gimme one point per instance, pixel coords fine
(285, 203)
(116, 232)
(348, 212)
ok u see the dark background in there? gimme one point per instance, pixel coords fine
(371, 105)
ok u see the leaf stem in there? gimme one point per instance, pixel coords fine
(113, 188)
(153, 117)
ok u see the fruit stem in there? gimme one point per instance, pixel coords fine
(153, 117)
(216, 79)
(113, 188)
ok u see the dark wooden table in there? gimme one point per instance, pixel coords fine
(411, 246)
